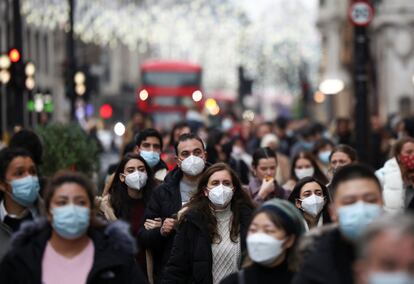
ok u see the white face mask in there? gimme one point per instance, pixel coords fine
(192, 165)
(136, 180)
(263, 249)
(301, 173)
(313, 204)
(220, 195)
(399, 277)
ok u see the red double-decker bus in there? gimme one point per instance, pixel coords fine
(168, 89)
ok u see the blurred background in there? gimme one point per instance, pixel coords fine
(115, 64)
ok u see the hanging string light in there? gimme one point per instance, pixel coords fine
(219, 34)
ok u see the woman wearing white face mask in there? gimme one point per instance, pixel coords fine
(273, 233)
(210, 238)
(311, 197)
(304, 165)
(128, 195)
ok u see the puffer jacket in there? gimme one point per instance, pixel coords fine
(113, 260)
(393, 186)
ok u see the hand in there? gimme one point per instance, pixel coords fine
(168, 226)
(268, 186)
(152, 224)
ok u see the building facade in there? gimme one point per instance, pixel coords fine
(391, 66)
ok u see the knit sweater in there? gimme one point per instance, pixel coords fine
(226, 253)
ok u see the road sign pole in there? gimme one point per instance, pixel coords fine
(361, 14)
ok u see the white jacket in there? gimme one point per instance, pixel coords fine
(393, 187)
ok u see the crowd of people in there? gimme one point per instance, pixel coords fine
(272, 202)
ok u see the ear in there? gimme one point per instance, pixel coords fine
(136, 150)
(178, 161)
(205, 191)
(332, 213)
(298, 203)
(122, 177)
(5, 187)
(289, 242)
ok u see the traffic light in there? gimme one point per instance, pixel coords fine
(29, 72)
(105, 111)
(14, 55)
(80, 83)
(17, 75)
(5, 64)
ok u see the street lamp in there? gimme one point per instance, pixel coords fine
(331, 86)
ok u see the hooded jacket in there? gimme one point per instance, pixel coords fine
(113, 257)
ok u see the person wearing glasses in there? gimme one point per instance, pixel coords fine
(168, 198)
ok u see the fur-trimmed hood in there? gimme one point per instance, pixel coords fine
(114, 260)
(116, 235)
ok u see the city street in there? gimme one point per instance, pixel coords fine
(196, 141)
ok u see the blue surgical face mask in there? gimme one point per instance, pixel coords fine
(152, 158)
(324, 156)
(70, 221)
(25, 190)
(399, 277)
(354, 218)
(307, 145)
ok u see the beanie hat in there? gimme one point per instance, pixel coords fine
(292, 220)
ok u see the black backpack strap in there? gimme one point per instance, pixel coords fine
(240, 276)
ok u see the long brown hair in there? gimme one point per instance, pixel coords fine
(200, 204)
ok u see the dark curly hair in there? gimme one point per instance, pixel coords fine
(296, 195)
(200, 204)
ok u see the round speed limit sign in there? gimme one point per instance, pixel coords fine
(361, 13)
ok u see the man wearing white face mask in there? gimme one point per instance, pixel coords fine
(167, 199)
(356, 202)
(386, 252)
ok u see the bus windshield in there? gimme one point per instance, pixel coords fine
(171, 79)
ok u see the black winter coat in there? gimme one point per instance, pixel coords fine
(165, 202)
(330, 261)
(113, 260)
(259, 274)
(191, 258)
